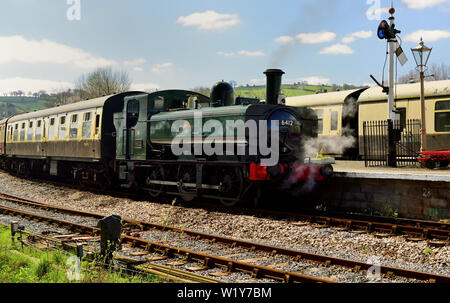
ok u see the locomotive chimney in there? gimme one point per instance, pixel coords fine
(273, 87)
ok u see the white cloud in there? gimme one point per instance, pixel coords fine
(139, 61)
(225, 54)
(261, 81)
(18, 49)
(209, 20)
(357, 35)
(315, 38)
(161, 67)
(428, 36)
(146, 87)
(285, 39)
(33, 85)
(251, 54)
(138, 69)
(422, 4)
(313, 80)
(375, 13)
(242, 53)
(337, 49)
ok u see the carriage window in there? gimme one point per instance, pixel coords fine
(443, 122)
(22, 132)
(402, 112)
(87, 124)
(87, 117)
(38, 130)
(443, 105)
(334, 120)
(319, 112)
(320, 127)
(62, 128)
(73, 131)
(51, 129)
(16, 132)
(97, 124)
(442, 116)
(30, 131)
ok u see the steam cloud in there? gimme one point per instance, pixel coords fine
(331, 145)
(310, 17)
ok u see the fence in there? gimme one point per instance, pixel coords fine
(388, 143)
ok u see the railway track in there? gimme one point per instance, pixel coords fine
(135, 233)
(414, 230)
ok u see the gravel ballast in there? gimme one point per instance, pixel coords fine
(392, 251)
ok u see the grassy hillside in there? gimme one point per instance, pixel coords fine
(288, 90)
(16, 105)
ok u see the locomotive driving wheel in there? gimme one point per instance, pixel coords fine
(156, 175)
(187, 175)
(231, 186)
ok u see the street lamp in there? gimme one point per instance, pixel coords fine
(421, 55)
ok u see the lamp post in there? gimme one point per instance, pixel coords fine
(421, 55)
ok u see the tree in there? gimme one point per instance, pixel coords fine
(202, 90)
(439, 72)
(102, 82)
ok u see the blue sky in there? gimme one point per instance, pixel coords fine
(191, 43)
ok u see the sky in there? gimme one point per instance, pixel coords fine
(49, 44)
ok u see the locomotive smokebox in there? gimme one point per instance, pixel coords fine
(273, 87)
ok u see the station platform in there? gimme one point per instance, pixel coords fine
(416, 193)
(357, 169)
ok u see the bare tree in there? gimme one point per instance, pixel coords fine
(102, 82)
(439, 72)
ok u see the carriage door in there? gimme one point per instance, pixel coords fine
(130, 130)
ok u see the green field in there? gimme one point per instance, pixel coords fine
(288, 90)
(17, 105)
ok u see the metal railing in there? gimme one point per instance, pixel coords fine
(388, 143)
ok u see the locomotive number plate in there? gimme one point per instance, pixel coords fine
(286, 122)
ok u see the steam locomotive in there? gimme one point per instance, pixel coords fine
(169, 142)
